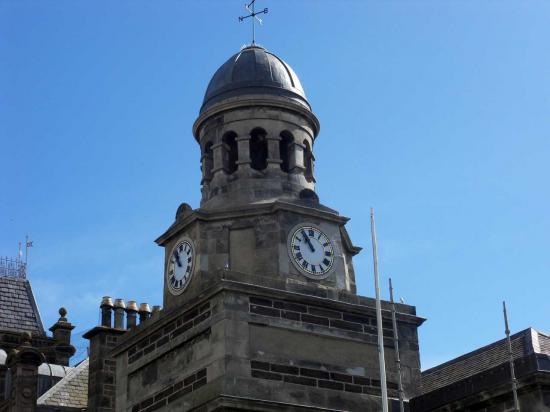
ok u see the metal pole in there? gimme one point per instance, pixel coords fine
(253, 24)
(381, 358)
(511, 356)
(397, 357)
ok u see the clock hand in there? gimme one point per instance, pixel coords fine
(177, 256)
(308, 241)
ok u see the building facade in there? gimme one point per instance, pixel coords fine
(260, 307)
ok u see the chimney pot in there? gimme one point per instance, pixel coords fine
(120, 308)
(144, 312)
(131, 311)
(106, 302)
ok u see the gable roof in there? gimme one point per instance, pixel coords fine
(524, 343)
(19, 311)
(71, 391)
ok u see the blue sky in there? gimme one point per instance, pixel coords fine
(436, 113)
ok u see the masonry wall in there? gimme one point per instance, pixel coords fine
(240, 342)
(102, 369)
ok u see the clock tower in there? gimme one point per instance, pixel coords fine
(259, 214)
(260, 306)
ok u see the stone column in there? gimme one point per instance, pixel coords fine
(61, 331)
(207, 166)
(273, 152)
(218, 155)
(23, 363)
(296, 158)
(243, 145)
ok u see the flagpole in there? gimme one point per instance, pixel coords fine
(26, 248)
(511, 356)
(381, 358)
(397, 357)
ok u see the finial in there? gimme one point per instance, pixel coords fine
(250, 8)
(62, 313)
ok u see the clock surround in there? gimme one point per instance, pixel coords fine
(180, 266)
(311, 251)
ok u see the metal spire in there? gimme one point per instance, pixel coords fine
(254, 14)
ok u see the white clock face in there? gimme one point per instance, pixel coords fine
(180, 266)
(311, 251)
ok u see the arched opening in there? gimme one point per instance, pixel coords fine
(258, 149)
(284, 150)
(308, 162)
(207, 161)
(230, 152)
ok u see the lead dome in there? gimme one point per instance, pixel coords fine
(254, 71)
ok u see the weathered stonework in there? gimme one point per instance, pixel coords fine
(255, 342)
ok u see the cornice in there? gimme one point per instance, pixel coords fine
(246, 211)
(253, 101)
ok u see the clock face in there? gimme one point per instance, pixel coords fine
(311, 251)
(180, 266)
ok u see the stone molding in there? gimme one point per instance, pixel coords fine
(255, 101)
(360, 305)
(248, 211)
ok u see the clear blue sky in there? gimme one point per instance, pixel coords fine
(436, 113)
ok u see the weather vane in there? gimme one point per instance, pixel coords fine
(254, 15)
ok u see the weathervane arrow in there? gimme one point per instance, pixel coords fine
(254, 14)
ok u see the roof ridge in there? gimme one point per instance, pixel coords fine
(521, 334)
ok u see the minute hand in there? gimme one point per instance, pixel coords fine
(308, 241)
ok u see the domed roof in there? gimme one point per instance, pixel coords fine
(254, 71)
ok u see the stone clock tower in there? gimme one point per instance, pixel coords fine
(260, 305)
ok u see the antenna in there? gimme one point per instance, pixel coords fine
(511, 358)
(254, 14)
(397, 357)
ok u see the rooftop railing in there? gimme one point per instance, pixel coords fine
(14, 268)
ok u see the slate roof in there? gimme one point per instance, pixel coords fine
(18, 308)
(69, 392)
(524, 343)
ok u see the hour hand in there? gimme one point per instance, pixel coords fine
(177, 256)
(308, 241)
